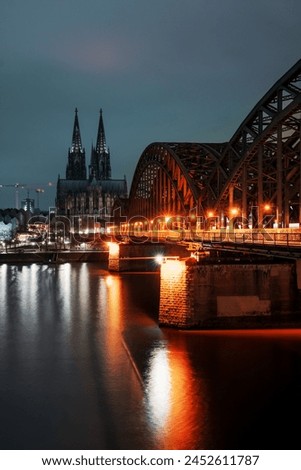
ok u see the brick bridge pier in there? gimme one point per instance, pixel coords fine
(230, 291)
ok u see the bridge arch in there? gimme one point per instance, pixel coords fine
(255, 175)
(259, 170)
(170, 177)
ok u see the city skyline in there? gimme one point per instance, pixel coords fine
(172, 71)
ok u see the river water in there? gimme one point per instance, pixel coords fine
(84, 365)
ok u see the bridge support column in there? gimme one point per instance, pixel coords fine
(244, 215)
(279, 178)
(176, 295)
(141, 256)
(260, 188)
(114, 254)
(298, 272)
(231, 196)
(227, 295)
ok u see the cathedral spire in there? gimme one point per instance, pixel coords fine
(100, 166)
(76, 138)
(76, 166)
(101, 146)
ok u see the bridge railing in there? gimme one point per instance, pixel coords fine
(275, 237)
(279, 238)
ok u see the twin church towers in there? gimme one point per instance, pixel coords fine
(100, 165)
(91, 192)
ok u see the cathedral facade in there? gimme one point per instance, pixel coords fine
(91, 192)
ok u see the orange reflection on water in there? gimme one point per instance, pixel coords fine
(112, 287)
(175, 400)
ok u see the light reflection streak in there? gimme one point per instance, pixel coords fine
(114, 302)
(158, 389)
(3, 289)
(64, 275)
(31, 289)
(27, 290)
(125, 393)
(84, 290)
(176, 404)
(109, 281)
(110, 304)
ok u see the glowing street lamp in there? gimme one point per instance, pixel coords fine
(159, 259)
(234, 211)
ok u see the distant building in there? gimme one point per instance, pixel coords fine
(27, 204)
(12, 221)
(92, 192)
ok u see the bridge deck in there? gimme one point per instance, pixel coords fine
(280, 242)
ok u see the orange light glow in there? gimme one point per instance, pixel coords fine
(113, 248)
(173, 416)
(172, 269)
(109, 281)
(267, 207)
(234, 211)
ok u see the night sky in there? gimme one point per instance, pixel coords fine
(161, 70)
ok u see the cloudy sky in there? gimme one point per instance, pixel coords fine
(161, 70)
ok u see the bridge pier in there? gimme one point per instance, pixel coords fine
(140, 256)
(226, 295)
(298, 273)
(216, 291)
(177, 307)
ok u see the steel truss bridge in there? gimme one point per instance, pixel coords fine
(252, 181)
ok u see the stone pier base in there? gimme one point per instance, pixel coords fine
(196, 296)
(140, 256)
(298, 273)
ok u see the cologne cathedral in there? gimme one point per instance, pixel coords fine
(93, 192)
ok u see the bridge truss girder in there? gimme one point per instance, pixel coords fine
(257, 172)
(170, 177)
(260, 167)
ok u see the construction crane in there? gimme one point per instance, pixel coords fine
(18, 186)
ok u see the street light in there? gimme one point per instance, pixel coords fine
(234, 211)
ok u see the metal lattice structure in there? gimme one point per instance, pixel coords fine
(256, 172)
(170, 177)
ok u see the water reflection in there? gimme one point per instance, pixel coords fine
(113, 288)
(175, 400)
(73, 339)
(158, 389)
(64, 287)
